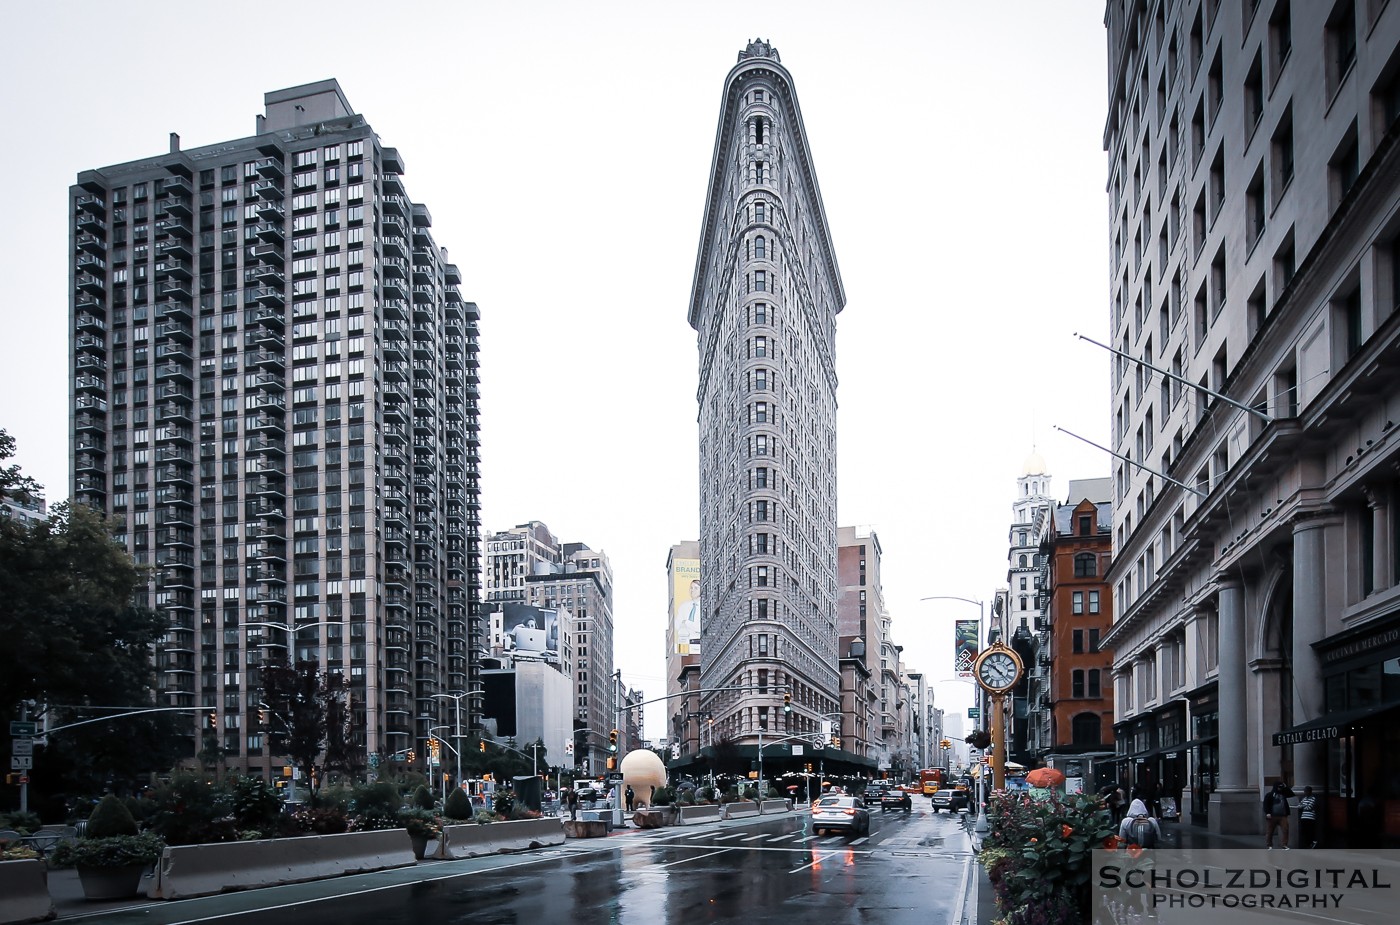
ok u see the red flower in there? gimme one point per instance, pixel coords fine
(1065, 830)
(1135, 851)
(1034, 840)
(1111, 843)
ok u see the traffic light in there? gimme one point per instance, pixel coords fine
(787, 703)
(612, 763)
(482, 743)
(835, 741)
(433, 748)
(412, 756)
(213, 719)
(612, 741)
(262, 716)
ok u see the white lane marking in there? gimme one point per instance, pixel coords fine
(815, 861)
(696, 858)
(957, 918)
(757, 837)
(730, 835)
(861, 840)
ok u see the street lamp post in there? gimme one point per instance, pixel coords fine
(978, 698)
(457, 732)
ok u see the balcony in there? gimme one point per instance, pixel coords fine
(175, 206)
(271, 275)
(394, 266)
(266, 359)
(90, 223)
(424, 295)
(174, 475)
(271, 254)
(270, 210)
(88, 422)
(270, 189)
(265, 424)
(91, 342)
(174, 289)
(395, 205)
(92, 205)
(270, 168)
(395, 291)
(271, 232)
(173, 247)
(87, 302)
(91, 363)
(172, 267)
(172, 371)
(174, 435)
(267, 295)
(93, 285)
(174, 310)
(174, 227)
(170, 330)
(267, 489)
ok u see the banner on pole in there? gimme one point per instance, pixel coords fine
(965, 646)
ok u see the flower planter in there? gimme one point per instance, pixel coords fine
(420, 846)
(111, 882)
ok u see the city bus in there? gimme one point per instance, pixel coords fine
(930, 779)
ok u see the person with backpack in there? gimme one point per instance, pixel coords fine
(1139, 828)
(1307, 819)
(1276, 810)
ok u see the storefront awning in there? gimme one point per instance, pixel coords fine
(1331, 726)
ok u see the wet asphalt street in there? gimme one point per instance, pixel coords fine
(913, 868)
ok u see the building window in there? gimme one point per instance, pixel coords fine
(1095, 688)
(1086, 525)
(1341, 43)
(1077, 603)
(1078, 642)
(1085, 565)
(760, 247)
(1086, 729)
(1093, 602)
(1077, 683)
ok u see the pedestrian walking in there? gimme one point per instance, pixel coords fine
(1138, 826)
(573, 804)
(1307, 819)
(1276, 810)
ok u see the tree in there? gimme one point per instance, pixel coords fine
(72, 634)
(303, 701)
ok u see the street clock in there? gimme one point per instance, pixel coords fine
(998, 668)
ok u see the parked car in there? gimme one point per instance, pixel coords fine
(896, 799)
(951, 799)
(840, 814)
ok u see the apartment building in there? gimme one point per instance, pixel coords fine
(274, 391)
(528, 564)
(1252, 180)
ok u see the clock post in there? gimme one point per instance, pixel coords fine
(997, 670)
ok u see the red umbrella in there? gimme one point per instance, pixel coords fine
(1045, 777)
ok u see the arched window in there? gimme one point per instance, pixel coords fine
(1021, 562)
(1086, 729)
(760, 247)
(1086, 565)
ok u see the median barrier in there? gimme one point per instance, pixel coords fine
(691, 815)
(470, 840)
(204, 870)
(24, 891)
(740, 809)
(775, 806)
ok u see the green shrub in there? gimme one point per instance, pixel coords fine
(109, 851)
(484, 818)
(323, 820)
(458, 805)
(339, 797)
(255, 803)
(23, 823)
(191, 811)
(423, 798)
(664, 796)
(110, 817)
(378, 799)
(502, 803)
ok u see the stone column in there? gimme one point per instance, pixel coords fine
(1235, 805)
(1309, 625)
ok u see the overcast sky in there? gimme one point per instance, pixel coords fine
(563, 150)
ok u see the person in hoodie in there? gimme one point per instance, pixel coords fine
(1138, 827)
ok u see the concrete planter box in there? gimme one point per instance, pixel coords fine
(740, 809)
(24, 892)
(652, 818)
(691, 815)
(775, 806)
(465, 841)
(585, 828)
(203, 870)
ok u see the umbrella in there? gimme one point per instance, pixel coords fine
(1045, 777)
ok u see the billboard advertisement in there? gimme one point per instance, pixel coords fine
(530, 631)
(965, 647)
(685, 605)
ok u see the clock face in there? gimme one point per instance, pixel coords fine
(997, 671)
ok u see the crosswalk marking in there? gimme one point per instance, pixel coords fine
(757, 837)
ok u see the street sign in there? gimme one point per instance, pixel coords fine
(21, 763)
(819, 742)
(23, 727)
(974, 712)
(24, 778)
(22, 747)
(614, 777)
(797, 750)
